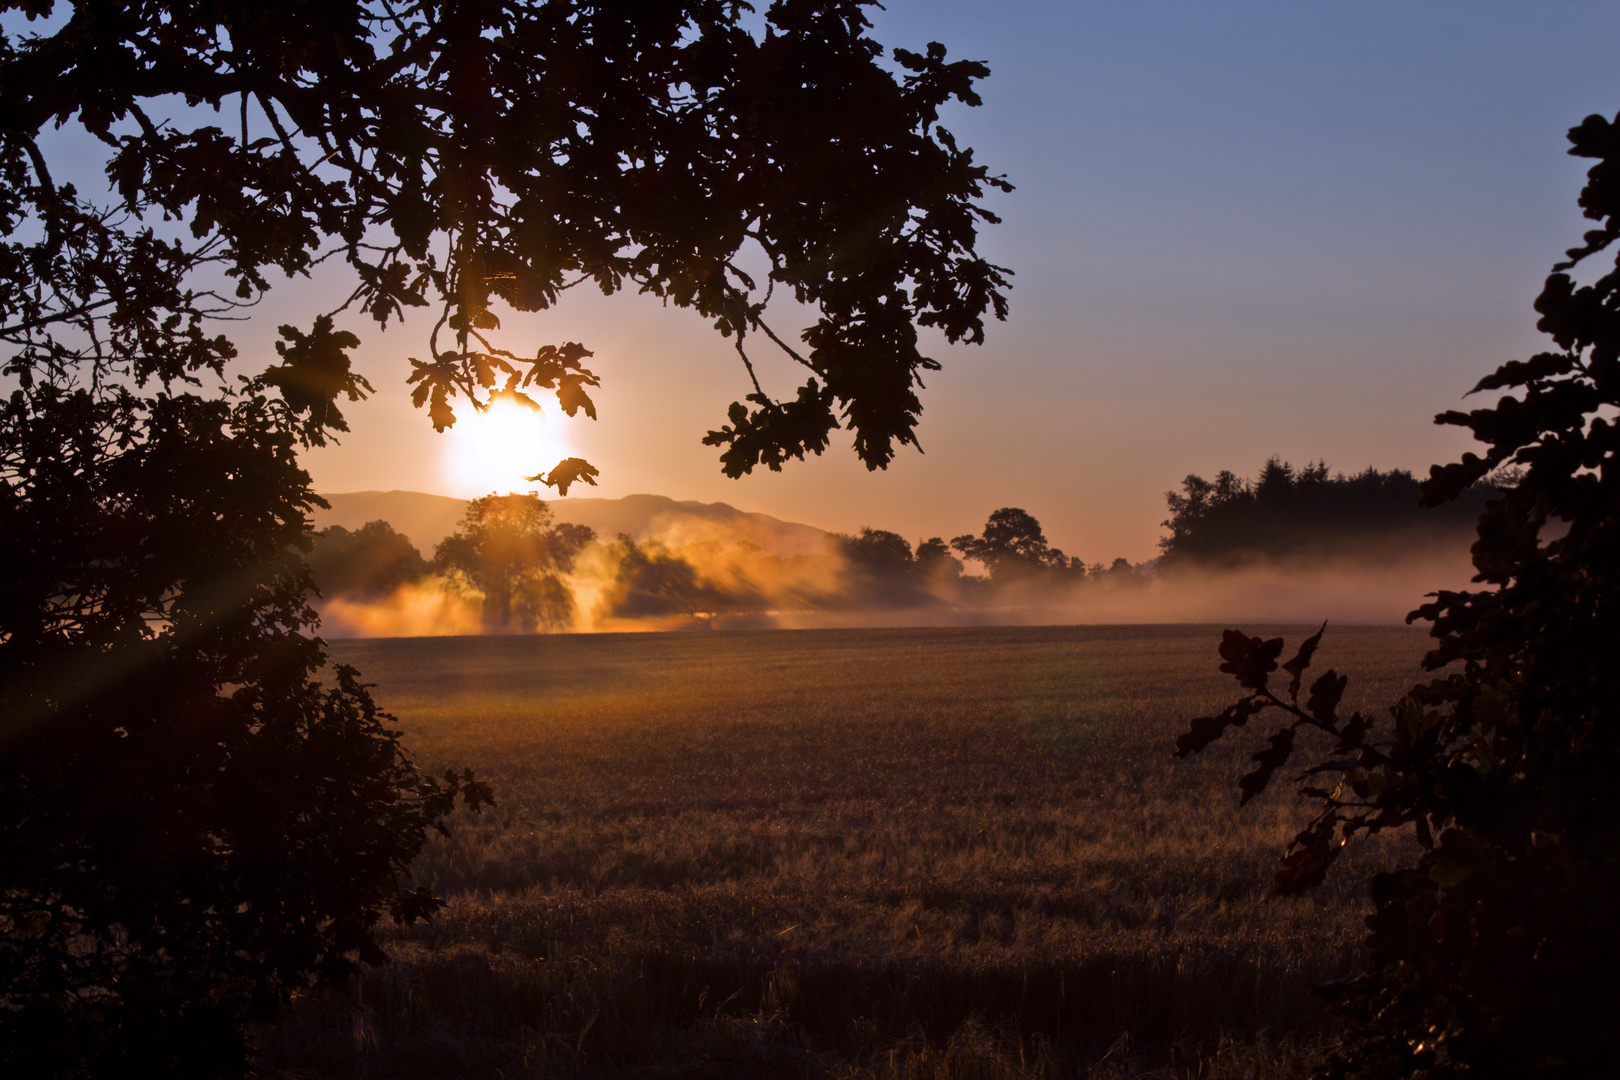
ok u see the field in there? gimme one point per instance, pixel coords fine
(845, 853)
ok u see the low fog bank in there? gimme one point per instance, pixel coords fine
(682, 581)
(1291, 545)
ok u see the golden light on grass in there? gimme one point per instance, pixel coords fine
(924, 854)
(495, 449)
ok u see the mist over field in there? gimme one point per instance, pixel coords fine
(1293, 544)
(741, 586)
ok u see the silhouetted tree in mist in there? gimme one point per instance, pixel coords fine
(1119, 571)
(1298, 512)
(938, 567)
(651, 581)
(508, 549)
(370, 562)
(1013, 548)
(877, 552)
(881, 570)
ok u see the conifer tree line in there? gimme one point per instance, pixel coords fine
(1309, 512)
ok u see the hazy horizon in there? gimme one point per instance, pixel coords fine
(761, 573)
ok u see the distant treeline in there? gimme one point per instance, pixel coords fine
(520, 568)
(1290, 513)
(516, 568)
(508, 553)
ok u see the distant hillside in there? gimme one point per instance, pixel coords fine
(427, 519)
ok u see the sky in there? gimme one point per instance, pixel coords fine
(1239, 230)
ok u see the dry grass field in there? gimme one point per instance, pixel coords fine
(845, 853)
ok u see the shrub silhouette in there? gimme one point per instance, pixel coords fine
(1493, 954)
(195, 824)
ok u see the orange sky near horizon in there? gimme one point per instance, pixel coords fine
(1259, 231)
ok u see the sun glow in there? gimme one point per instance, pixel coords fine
(495, 449)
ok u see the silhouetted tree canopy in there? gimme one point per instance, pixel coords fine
(508, 549)
(370, 562)
(473, 157)
(935, 552)
(875, 551)
(1286, 511)
(196, 824)
(879, 569)
(1493, 953)
(651, 581)
(1013, 547)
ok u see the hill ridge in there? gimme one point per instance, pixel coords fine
(428, 518)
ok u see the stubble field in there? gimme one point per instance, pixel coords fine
(845, 853)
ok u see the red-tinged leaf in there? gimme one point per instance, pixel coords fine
(1302, 660)
(571, 353)
(1234, 645)
(1304, 868)
(543, 373)
(551, 363)
(1268, 761)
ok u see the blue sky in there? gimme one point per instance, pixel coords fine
(1239, 230)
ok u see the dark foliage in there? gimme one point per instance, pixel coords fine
(1494, 954)
(192, 823)
(651, 581)
(368, 563)
(882, 571)
(474, 156)
(877, 552)
(1013, 548)
(934, 556)
(1287, 512)
(508, 549)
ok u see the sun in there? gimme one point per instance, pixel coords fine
(495, 449)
